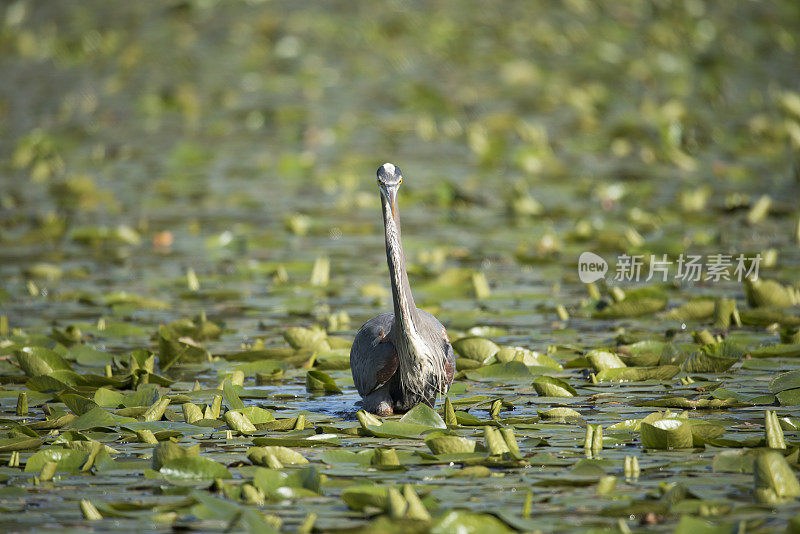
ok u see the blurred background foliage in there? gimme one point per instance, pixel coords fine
(125, 107)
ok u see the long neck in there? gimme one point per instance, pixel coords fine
(404, 309)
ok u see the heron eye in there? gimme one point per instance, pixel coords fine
(401, 181)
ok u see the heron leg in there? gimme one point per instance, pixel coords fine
(379, 402)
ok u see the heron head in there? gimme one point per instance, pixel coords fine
(389, 179)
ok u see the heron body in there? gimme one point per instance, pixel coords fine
(400, 359)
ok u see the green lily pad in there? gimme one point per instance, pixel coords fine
(344, 457)
(99, 418)
(778, 350)
(548, 386)
(307, 338)
(631, 308)
(36, 361)
(694, 310)
(193, 468)
(785, 381)
(475, 348)
(502, 371)
(424, 415)
(638, 374)
(468, 522)
(666, 434)
(603, 359)
(714, 358)
(231, 396)
(318, 381)
(449, 444)
(762, 293)
(285, 455)
(169, 450)
(363, 496)
(396, 429)
(775, 481)
(562, 414)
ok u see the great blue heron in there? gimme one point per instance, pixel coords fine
(403, 358)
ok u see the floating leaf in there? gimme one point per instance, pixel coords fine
(603, 359)
(475, 348)
(384, 457)
(775, 481)
(733, 461)
(422, 414)
(559, 414)
(462, 521)
(169, 450)
(789, 397)
(767, 316)
(501, 371)
(666, 434)
(193, 468)
(449, 444)
(695, 525)
(762, 293)
(36, 361)
(231, 396)
(360, 497)
(257, 415)
(784, 381)
(773, 430)
(306, 338)
(66, 459)
(172, 350)
(318, 381)
(285, 455)
(396, 429)
(239, 422)
(776, 351)
(631, 308)
(99, 418)
(694, 310)
(637, 374)
(344, 457)
(673, 401)
(714, 358)
(704, 432)
(548, 386)
(528, 357)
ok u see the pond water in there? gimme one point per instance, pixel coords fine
(213, 162)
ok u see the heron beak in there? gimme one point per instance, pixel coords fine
(390, 193)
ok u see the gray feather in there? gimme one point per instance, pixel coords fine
(366, 357)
